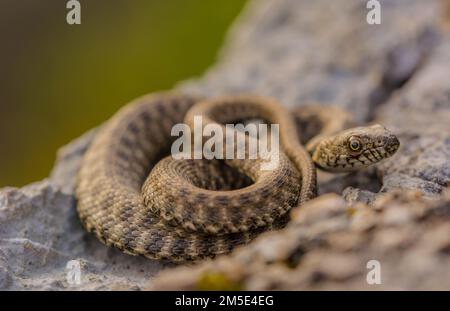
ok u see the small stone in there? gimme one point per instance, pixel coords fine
(353, 195)
(333, 266)
(323, 207)
(397, 216)
(363, 220)
(394, 238)
(437, 239)
(275, 247)
(346, 241)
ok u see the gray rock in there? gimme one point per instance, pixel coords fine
(317, 51)
(419, 114)
(40, 233)
(68, 162)
(330, 246)
(353, 195)
(298, 51)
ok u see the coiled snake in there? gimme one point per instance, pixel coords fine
(134, 196)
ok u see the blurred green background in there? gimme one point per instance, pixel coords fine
(57, 80)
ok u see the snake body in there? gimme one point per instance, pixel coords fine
(134, 196)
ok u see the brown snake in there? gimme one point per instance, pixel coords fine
(135, 197)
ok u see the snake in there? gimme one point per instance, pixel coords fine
(134, 195)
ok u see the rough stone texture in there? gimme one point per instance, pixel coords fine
(317, 51)
(419, 114)
(327, 246)
(40, 233)
(298, 51)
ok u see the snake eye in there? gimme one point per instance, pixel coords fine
(354, 144)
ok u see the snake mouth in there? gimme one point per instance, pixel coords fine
(392, 145)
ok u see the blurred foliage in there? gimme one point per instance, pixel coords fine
(58, 80)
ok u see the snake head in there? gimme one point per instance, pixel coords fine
(355, 148)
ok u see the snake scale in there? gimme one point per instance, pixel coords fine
(134, 196)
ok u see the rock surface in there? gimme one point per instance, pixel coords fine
(330, 246)
(299, 52)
